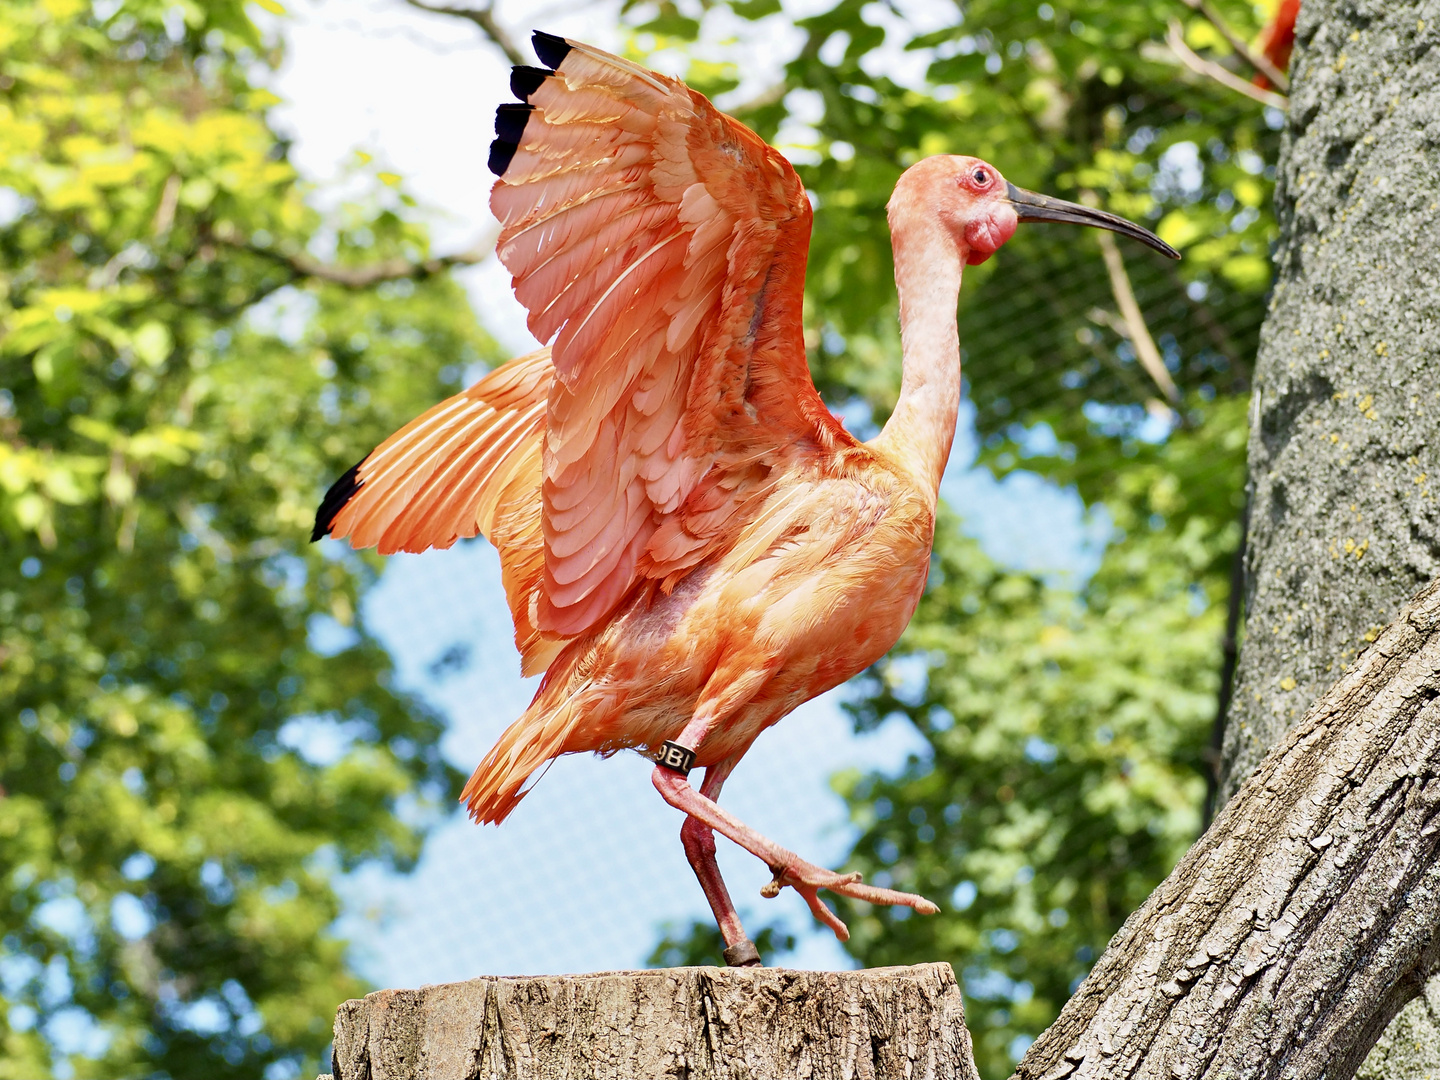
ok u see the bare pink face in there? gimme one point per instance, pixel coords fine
(991, 219)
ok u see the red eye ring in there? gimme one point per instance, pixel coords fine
(981, 177)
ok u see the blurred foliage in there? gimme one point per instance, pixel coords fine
(195, 734)
(1066, 722)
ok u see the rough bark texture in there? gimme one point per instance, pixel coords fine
(1308, 914)
(1345, 444)
(880, 1024)
(1409, 1048)
(1345, 453)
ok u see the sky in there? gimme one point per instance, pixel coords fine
(587, 870)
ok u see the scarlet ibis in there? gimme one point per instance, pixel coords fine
(691, 544)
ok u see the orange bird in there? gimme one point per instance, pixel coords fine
(1278, 39)
(691, 544)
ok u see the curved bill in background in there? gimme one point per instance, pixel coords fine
(1030, 206)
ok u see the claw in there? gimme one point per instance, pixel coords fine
(891, 897)
(849, 885)
(808, 880)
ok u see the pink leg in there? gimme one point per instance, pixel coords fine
(699, 841)
(789, 869)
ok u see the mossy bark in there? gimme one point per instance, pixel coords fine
(1345, 439)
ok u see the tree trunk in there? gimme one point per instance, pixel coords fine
(881, 1024)
(1345, 453)
(1309, 913)
(1345, 438)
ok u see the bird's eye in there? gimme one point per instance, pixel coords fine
(981, 177)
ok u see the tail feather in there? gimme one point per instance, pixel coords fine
(542, 733)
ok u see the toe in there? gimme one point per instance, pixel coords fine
(822, 912)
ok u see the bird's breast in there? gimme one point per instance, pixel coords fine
(835, 587)
(822, 584)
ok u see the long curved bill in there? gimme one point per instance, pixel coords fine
(1030, 206)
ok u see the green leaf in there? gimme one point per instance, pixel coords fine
(1179, 229)
(670, 22)
(162, 456)
(755, 9)
(152, 343)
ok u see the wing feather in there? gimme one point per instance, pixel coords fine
(460, 479)
(471, 464)
(660, 246)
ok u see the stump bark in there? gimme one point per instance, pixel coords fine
(697, 1022)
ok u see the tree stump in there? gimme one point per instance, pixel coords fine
(696, 1022)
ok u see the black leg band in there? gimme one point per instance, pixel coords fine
(676, 758)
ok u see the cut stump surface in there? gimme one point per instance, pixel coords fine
(696, 1022)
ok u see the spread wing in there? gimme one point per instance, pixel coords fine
(469, 465)
(442, 477)
(660, 247)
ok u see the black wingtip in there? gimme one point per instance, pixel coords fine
(524, 81)
(510, 121)
(501, 153)
(335, 499)
(552, 50)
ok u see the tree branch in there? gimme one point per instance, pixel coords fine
(1302, 921)
(484, 18)
(1229, 654)
(362, 277)
(1175, 38)
(1257, 61)
(1135, 328)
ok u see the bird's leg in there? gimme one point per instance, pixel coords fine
(804, 877)
(699, 841)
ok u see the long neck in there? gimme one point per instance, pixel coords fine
(927, 274)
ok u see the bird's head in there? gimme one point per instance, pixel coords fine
(980, 209)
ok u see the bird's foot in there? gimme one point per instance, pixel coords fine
(807, 879)
(789, 869)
